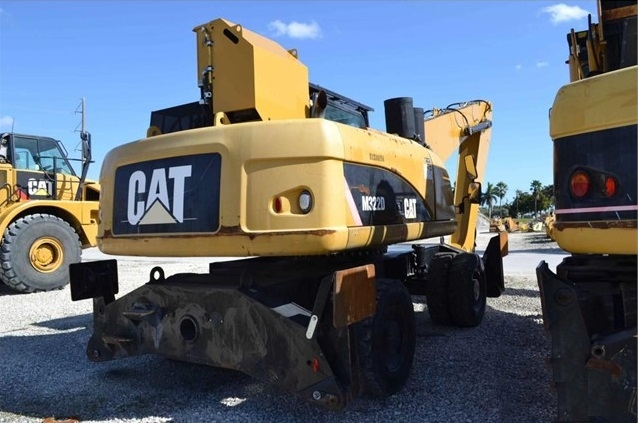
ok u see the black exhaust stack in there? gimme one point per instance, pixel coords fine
(399, 117)
(403, 119)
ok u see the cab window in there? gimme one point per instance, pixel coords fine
(342, 116)
(40, 154)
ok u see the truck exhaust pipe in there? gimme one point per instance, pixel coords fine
(399, 117)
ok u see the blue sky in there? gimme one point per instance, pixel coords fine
(128, 58)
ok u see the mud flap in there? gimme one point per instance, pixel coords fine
(94, 279)
(594, 375)
(493, 262)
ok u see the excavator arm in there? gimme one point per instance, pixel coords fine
(466, 128)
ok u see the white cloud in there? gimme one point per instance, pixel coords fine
(563, 13)
(6, 121)
(518, 67)
(542, 64)
(295, 29)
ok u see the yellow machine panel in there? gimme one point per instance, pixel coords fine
(257, 190)
(249, 76)
(598, 114)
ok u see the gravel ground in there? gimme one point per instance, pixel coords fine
(493, 373)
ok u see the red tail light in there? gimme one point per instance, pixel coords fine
(277, 205)
(610, 186)
(579, 183)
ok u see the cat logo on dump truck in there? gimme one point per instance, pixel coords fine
(39, 187)
(178, 194)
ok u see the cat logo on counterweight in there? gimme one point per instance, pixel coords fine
(157, 208)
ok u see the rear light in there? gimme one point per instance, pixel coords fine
(277, 205)
(610, 186)
(305, 201)
(579, 184)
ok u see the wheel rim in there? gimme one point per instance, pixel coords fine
(477, 289)
(46, 255)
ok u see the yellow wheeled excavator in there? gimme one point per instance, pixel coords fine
(589, 304)
(267, 164)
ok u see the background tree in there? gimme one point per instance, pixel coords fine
(536, 188)
(548, 194)
(489, 198)
(500, 190)
(519, 193)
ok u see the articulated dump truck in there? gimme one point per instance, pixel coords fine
(48, 212)
(289, 177)
(589, 304)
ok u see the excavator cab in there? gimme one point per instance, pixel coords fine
(341, 109)
(338, 108)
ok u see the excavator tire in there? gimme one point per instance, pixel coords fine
(466, 290)
(36, 252)
(437, 297)
(386, 341)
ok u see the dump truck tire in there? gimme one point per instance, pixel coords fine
(36, 252)
(466, 290)
(386, 341)
(437, 297)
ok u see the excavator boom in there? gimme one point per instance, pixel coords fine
(465, 129)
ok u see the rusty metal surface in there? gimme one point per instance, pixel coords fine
(224, 327)
(593, 340)
(237, 231)
(252, 316)
(619, 13)
(354, 295)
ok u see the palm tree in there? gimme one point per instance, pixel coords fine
(500, 191)
(489, 197)
(519, 194)
(535, 187)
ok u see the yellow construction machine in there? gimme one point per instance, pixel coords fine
(589, 304)
(267, 164)
(48, 213)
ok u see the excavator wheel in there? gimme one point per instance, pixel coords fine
(466, 290)
(36, 252)
(386, 341)
(437, 296)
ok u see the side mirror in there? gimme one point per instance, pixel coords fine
(319, 104)
(474, 193)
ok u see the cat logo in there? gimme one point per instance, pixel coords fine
(157, 207)
(39, 188)
(409, 208)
